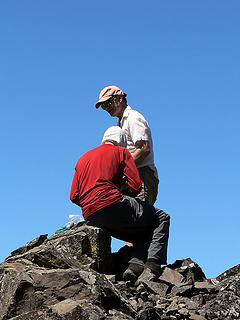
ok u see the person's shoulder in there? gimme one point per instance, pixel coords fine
(90, 155)
(89, 152)
(135, 117)
(133, 113)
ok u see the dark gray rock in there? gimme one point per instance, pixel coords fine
(194, 316)
(158, 288)
(61, 269)
(171, 276)
(186, 290)
(149, 313)
(190, 270)
(229, 273)
(30, 245)
(225, 305)
(71, 248)
(73, 275)
(205, 286)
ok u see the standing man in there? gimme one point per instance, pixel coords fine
(95, 188)
(139, 140)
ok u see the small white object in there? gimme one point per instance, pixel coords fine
(74, 219)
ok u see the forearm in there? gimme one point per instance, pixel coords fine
(138, 156)
(141, 152)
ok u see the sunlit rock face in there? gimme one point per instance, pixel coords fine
(73, 275)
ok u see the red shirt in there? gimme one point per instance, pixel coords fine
(98, 176)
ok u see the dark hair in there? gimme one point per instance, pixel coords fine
(124, 98)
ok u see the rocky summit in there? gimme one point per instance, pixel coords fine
(73, 275)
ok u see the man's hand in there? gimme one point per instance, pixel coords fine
(141, 152)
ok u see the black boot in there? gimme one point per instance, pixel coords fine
(151, 272)
(133, 272)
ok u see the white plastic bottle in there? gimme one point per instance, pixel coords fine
(74, 219)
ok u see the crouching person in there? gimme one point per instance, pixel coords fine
(95, 188)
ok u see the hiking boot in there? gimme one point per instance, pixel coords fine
(146, 275)
(133, 272)
(129, 275)
(154, 266)
(151, 272)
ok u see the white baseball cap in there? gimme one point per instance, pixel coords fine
(117, 135)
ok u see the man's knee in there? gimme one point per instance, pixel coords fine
(163, 215)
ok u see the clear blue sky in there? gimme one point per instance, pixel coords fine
(179, 63)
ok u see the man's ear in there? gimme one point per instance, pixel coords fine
(120, 99)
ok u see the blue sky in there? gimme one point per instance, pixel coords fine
(178, 61)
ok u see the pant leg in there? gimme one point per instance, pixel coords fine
(156, 230)
(149, 189)
(159, 243)
(120, 219)
(138, 222)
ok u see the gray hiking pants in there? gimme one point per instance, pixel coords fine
(138, 222)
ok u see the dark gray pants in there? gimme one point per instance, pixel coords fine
(138, 222)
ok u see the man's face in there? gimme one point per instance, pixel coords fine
(114, 106)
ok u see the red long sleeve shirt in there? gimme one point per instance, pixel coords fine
(98, 176)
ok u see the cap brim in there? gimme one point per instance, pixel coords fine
(100, 101)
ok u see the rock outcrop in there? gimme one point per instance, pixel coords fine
(73, 275)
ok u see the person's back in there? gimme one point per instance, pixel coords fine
(98, 176)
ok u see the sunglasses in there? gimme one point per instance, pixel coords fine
(108, 103)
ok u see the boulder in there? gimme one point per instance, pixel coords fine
(73, 275)
(69, 265)
(171, 276)
(72, 248)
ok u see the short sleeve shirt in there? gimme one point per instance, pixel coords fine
(136, 128)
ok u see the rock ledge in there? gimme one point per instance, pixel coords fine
(73, 275)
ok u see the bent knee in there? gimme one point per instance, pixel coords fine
(166, 216)
(163, 215)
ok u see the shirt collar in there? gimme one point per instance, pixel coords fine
(124, 116)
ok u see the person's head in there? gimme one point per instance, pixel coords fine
(113, 100)
(116, 136)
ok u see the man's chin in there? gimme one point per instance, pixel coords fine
(112, 114)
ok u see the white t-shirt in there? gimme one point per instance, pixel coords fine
(136, 128)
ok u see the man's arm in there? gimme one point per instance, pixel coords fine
(141, 152)
(139, 132)
(130, 171)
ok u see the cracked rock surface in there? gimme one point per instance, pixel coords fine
(73, 275)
